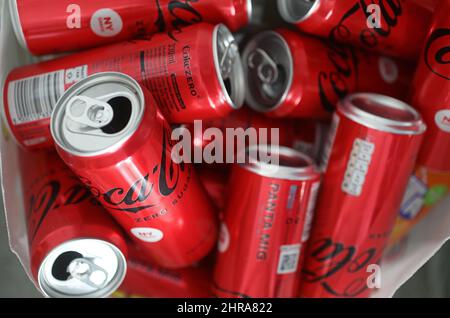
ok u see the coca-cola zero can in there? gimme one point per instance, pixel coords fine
(373, 145)
(197, 76)
(108, 130)
(146, 279)
(76, 249)
(64, 25)
(396, 28)
(431, 96)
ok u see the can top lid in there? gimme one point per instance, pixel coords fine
(295, 11)
(97, 114)
(269, 67)
(382, 113)
(82, 268)
(228, 66)
(285, 163)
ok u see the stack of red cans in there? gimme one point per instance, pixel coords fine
(163, 156)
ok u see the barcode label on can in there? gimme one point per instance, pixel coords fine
(76, 74)
(288, 261)
(413, 199)
(310, 211)
(33, 98)
(328, 145)
(357, 167)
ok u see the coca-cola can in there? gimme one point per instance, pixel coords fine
(148, 280)
(197, 76)
(266, 223)
(76, 249)
(395, 28)
(63, 25)
(373, 145)
(430, 92)
(108, 130)
(293, 75)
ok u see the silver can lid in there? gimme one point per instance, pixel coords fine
(290, 164)
(382, 113)
(228, 65)
(296, 11)
(84, 268)
(269, 68)
(97, 114)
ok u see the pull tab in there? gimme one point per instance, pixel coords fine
(266, 67)
(90, 112)
(87, 272)
(228, 58)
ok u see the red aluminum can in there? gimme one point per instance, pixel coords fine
(200, 76)
(65, 25)
(145, 279)
(401, 31)
(76, 249)
(266, 223)
(108, 130)
(368, 161)
(291, 75)
(431, 96)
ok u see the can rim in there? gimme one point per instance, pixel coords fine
(249, 10)
(17, 26)
(115, 282)
(236, 99)
(59, 110)
(288, 15)
(303, 172)
(253, 43)
(351, 107)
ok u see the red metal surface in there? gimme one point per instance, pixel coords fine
(215, 183)
(429, 4)
(431, 92)
(402, 33)
(64, 25)
(324, 73)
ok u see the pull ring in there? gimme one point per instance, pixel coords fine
(90, 112)
(88, 272)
